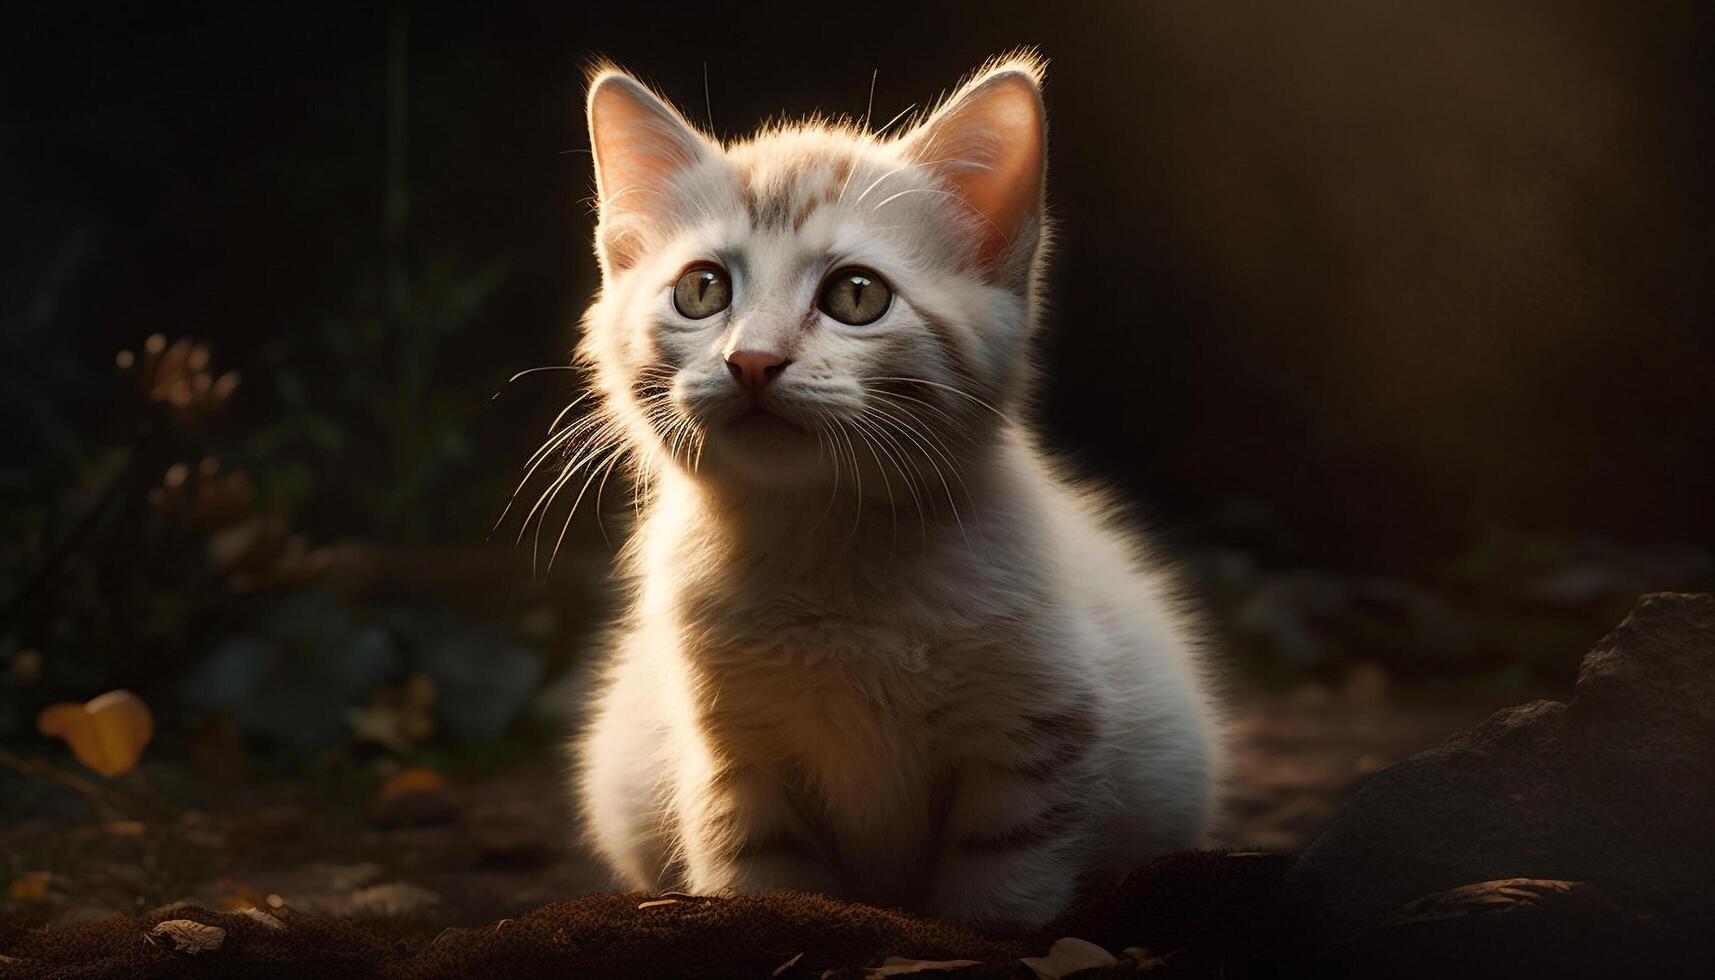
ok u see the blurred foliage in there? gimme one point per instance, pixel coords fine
(190, 529)
(367, 430)
(169, 557)
(1511, 610)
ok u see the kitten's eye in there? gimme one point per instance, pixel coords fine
(702, 292)
(855, 296)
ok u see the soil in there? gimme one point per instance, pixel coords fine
(484, 847)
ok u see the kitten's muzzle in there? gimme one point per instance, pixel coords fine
(755, 370)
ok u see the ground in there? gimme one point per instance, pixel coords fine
(481, 847)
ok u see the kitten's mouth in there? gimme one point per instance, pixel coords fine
(758, 419)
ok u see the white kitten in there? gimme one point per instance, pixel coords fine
(877, 646)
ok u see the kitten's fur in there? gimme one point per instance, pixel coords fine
(881, 649)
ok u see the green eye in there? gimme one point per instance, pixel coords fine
(702, 292)
(855, 296)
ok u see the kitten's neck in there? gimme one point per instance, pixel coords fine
(818, 526)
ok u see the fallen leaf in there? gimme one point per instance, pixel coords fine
(416, 779)
(261, 917)
(394, 899)
(789, 964)
(186, 936)
(397, 718)
(31, 886)
(107, 734)
(895, 966)
(657, 902)
(237, 895)
(1067, 956)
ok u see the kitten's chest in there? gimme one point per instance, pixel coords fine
(848, 700)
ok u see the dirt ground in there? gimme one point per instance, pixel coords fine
(478, 848)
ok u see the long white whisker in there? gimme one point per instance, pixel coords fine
(897, 456)
(909, 433)
(956, 391)
(614, 450)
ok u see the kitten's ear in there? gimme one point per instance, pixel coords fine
(640, 144)
(989, 142)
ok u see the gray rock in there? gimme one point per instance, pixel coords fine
(1615, 787)
(292, 680)
(485, 678)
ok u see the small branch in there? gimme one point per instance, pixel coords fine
(110, 797)
(81, 530)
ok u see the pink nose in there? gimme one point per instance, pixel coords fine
(754, 368)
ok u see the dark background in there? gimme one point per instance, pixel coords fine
(1343, 291)
(1398, 270)
(1392, 318)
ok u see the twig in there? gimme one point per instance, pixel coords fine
(107, 796)
(70, 544)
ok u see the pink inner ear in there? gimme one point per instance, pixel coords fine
(989, 145)
(632, 143)
(640, 143)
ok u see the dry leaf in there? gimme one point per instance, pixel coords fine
(107, 734)
(397, 718)
(895, 966)
(186, 936)
(658, 902)
(261, 917)
(238, 895)
(413, 780)
(394, 899)
(31, 886)
(1067, 956)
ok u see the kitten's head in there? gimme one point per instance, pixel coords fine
(816, 297)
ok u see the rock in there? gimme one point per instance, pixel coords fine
(488, 677)
(1615, 787)
(291, 681)
(1511, 928)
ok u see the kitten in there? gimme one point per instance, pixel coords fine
(877, 646)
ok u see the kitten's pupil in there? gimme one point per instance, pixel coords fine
(701, 292)
(855, 297)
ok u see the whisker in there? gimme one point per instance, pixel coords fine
(615, 450)
(956, 391)
(897, 457)
(910, 433)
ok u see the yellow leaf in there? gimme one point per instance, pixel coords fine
(107, 734)
(413, 780)
(31, 886)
